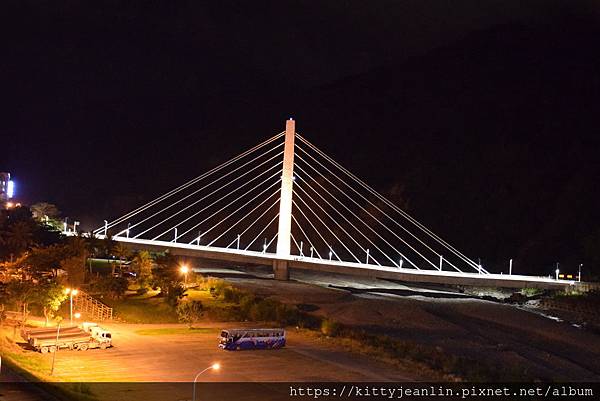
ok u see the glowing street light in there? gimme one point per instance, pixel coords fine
(214, 366)
(184, 269)
(77, 315)
(71, 292)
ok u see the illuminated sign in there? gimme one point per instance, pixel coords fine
(10, 189)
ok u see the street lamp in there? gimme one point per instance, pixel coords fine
(59, 321)
(71, 293)
(214, 366)
(184, 269)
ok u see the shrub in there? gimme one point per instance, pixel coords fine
(141, 291)
(190, 312)
(174, 293)
(232, 295)
(111, 287)
(329, 327)
(264, 310)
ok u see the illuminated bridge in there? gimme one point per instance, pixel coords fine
(287, 204)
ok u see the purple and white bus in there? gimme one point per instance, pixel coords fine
(240, 339)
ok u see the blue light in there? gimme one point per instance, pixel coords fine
(10, 189)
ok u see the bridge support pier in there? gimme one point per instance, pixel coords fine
(280, 270)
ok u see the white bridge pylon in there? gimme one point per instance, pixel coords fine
(286, 189)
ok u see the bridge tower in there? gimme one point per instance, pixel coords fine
(280, 267)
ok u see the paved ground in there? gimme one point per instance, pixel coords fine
(179, 357)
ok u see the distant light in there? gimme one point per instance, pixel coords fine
(216, 366)
(10, 189)
(184, 269)
(77, 315)
(9, 205)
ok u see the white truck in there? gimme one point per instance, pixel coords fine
(82, 338)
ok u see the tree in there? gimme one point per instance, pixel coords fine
(123, 253)
(42, 211)
(75, 268)
(142, 264)
(22, 293)
(3, 300)
(50, 297)
(190, 312)
(46, 259)
(19, 237)
(166, 276)
(76, 246)
(111, 287)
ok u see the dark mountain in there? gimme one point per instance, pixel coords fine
(494, 138)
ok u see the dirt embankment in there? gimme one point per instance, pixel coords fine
(497, 334)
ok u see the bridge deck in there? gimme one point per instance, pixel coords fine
(356, 269)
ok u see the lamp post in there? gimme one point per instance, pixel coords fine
(55, 345)
(579, 275)
(184, 269)
(71, 293)
(557, 271)
(214, 366)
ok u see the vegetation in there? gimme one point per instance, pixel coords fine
(190, 312)
(167, 278)
(50, 296)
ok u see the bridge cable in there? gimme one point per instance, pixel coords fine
(375, 206)
(338, 224)
(374, 218)
(390, 204)
(209, 195)
(262, 231)
(305, 236)
(229, 204)
(189, 183)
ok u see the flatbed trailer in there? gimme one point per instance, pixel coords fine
(73, 339)
(47, 331)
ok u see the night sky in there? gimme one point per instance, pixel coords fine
(483, 115)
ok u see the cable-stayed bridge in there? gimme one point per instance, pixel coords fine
(286, 203)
